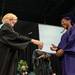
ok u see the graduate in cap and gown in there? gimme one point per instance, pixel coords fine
(66, 48)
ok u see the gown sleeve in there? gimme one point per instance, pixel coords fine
(13, 39)
(71, 41)
(68, 41)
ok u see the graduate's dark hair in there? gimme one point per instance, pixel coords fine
(71, 19)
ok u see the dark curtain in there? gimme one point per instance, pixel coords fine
(28, 29)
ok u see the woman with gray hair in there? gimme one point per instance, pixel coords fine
(10, 43)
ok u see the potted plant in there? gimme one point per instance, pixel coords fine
(22, 67)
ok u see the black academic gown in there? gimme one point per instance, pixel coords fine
(10, 43)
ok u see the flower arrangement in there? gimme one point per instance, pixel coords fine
(22, 67)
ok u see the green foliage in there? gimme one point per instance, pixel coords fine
(22, 66)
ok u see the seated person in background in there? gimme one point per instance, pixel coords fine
(41, 63)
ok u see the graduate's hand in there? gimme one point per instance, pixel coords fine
(60, 52)
(54, 47)
(37, 42)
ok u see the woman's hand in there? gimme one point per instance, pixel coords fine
(60, 52)
(37, 42)
(54, 48)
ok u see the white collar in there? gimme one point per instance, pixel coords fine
(1, 25)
